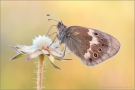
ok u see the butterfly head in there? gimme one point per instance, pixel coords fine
(61, 26)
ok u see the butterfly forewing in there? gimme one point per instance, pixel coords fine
(90, 45)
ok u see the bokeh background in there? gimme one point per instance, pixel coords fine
(21, 21)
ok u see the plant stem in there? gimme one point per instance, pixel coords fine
(40, 72)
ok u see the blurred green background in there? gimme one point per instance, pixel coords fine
(21, 21)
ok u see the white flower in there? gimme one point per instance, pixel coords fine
(41, 45)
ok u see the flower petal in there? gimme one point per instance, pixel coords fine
(28, 51)
(51, 60)
(56, 44)
(24, 49)
(55, 53)
(45, 51)
(34, 55)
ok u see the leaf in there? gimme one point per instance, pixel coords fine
(17, 56)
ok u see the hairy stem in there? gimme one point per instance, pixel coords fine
(40, 72)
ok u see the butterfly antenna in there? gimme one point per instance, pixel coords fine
(55, 19)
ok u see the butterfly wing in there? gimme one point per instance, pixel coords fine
(90, 45)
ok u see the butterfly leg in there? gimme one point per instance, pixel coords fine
(58, 58)
(57, 36)
(63, 50)
(52, 41)
(69, 52)
(64, 53)
(53, 33)
(50, 29)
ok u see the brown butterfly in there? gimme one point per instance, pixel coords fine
(90, 45)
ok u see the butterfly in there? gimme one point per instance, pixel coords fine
(92, 46)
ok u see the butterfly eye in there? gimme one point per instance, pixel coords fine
(99, 49)
(90, 59)
(103, 44)
(95, 33)
(95, 55)
(101, 39)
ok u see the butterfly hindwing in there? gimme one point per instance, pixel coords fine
(106, 47)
